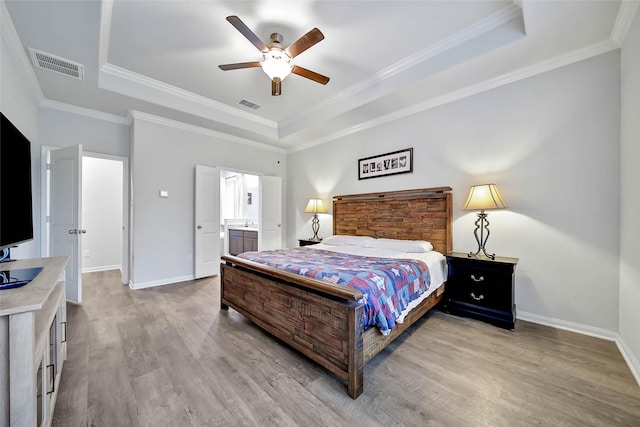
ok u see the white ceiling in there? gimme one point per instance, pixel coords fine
(386, 59)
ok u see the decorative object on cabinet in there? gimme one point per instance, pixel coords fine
(315, 206)
(482, 197)
(482, 288)
(308, 242)
(386, 164)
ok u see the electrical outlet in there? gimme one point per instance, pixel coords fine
(86, 253)
(189, 258)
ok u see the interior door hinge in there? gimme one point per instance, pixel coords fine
(48, 166)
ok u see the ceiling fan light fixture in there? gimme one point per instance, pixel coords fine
(276, 64)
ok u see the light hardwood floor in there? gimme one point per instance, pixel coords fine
(168, 356)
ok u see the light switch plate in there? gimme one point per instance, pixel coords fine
(164, 193)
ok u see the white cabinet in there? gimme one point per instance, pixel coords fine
(32, 344)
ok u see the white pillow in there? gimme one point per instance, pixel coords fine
(414, 246)
(345, 240)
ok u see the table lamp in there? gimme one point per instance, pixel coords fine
(483, 197)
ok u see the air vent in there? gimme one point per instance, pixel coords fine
(46, 61)
(249, 104)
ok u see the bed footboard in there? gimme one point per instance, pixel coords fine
(323, 322)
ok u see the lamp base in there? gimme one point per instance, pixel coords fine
(482, 225)
(476, 253)
(315, 226)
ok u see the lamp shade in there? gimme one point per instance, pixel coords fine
(315, 206)
(485, 196)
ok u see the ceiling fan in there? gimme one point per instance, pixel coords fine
(276, 63)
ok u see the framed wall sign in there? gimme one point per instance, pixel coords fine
(386, 164)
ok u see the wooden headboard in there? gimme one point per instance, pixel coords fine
(421, 214)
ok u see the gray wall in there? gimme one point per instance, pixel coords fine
(62, 129)
(164, 157)
(630, 196)
(550, 143)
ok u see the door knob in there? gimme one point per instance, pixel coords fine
(199, 227)
(74, 231)
(83, 231)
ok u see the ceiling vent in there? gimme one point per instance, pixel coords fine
(249, 104)
(46, 61)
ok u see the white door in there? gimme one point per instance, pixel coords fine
(207, 232)
(270, 234)
(66, 215)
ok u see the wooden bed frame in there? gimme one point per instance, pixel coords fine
(325, 321)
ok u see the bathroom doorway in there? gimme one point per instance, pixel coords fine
(239, 204)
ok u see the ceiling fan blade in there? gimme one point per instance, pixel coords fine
(304, 43)
(239, 65)
(246, 31)
(276, 87)
(311, 75)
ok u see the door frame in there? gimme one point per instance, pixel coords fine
(222, 169)
(126, 203)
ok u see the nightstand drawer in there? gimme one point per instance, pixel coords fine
(486, 288)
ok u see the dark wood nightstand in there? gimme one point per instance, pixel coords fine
(308, 242)
(481, 288)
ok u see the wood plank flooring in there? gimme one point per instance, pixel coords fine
(168, 356)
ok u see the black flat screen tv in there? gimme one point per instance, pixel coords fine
(16, 216)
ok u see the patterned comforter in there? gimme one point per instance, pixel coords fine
(387, 285)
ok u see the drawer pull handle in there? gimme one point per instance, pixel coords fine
(65, 332)
(53, 378)
(477, 298)
(479, 279)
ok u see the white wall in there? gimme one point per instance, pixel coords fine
(550, 142)
(61, 129)
(19, 103)
(101, 214)
(164, 155)
(630, 197)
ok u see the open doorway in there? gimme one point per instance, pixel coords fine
(239, 204)
(234, 209)
(55, 195)
(102, 199)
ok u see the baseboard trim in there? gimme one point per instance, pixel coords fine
(627, 355)
(632, 361)
(162, 282)
(102, 268)
(568, 326)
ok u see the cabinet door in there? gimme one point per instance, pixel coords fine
(40, 392)
(62, 335)
(250, 241)
(236, 242)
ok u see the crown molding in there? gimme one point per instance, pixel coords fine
(138, 115)
(132, 84)
(10, 35)
(495, 82)
(87, 112)
(624, 19)
(462, 36)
